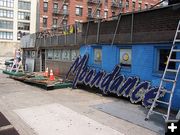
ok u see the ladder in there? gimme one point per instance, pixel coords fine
(164, 79)
(17, 63)
(17, 66)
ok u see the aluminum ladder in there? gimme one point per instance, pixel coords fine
(166, 80)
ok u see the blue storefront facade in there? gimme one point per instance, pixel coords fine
(134, 47)
(146, 61)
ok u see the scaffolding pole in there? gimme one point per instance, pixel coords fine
(117, 26)
(132, 27)
(98, 30)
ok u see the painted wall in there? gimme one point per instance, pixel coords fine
(144, 62)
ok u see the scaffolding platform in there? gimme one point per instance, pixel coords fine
(13, 73)
(37, 79)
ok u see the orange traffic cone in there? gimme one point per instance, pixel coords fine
(46, 72)
(51, 75)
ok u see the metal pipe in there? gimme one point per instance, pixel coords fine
(75, 31)
(132, 27)
(87, 30)
(98, 31)
(119, 18)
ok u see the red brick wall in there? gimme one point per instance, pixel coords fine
(72, 6)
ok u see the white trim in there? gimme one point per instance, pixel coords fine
(79, 6)
(6, 30)
(44, 16)
(79, 21)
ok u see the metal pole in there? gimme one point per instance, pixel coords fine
(119, 18)
(87, 31)
(98, 30)
(75, 30)
(132, 27)
(65, 34)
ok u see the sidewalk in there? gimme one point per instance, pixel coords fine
(33, 111)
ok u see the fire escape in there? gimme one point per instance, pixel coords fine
(94, 12)
(61, 12)
(117, 5)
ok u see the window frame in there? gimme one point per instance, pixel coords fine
(4, 13)
(79, 11)
(24, 15)
(45, 24)
(4, 24)
(4, 35)
(7, 3)
(45, 8)
(157, 58)
(25, 5)
(94, 60)
(119, 56)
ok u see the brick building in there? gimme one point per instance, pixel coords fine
(55, 13)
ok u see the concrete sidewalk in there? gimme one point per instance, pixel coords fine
(34, 111)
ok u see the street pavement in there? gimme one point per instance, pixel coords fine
(34, 111)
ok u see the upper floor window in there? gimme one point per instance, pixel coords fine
(106, 3)
(7, 3)
(20, 34)
(120, 3)
(23, 26)
(65, 23)
(89, 12)
(6, 24)
(55, 7)
(23, 15)
(146, 6)
(44, 22)
(98, 13)
(79, 11)
(45, 6)
(65, 9)
(133, 5)
(139, 6)
(105, 14)
(6, 13)
(6, 35)
(55, 22)
(127, 4)
(24, 5)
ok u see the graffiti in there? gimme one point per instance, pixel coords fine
(113, 82)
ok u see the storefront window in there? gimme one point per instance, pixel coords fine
(162, 59)
(74, 54)
(49, 54)
(57, 54)
(66, 55)
(125, 57)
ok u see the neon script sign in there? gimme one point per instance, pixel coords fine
(113, 82)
